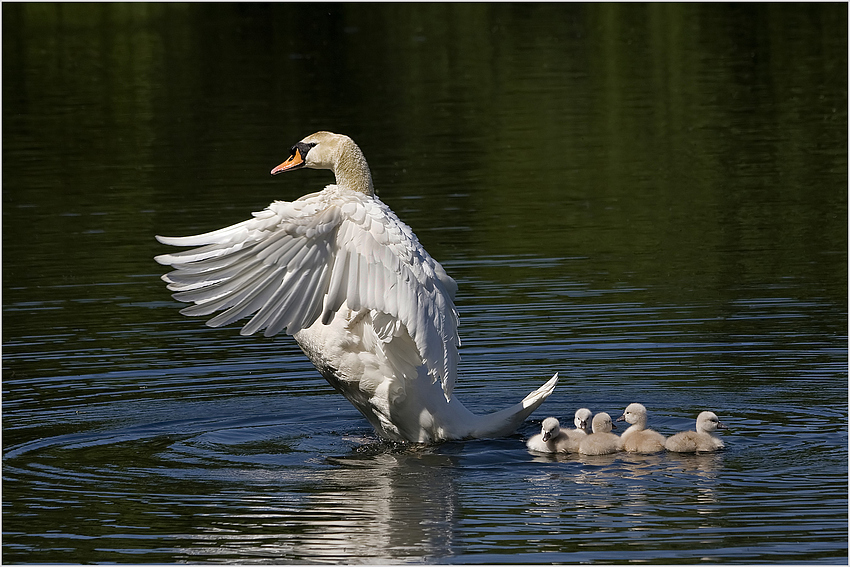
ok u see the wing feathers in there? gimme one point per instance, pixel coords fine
(239, 288)
(248, 300)
(337, 286)
(297, 261)
(352, 292)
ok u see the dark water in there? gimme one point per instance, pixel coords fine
(651, 200)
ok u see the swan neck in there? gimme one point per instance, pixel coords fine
(351, 170)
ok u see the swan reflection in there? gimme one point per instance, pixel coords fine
(387, 505)
(374, 505)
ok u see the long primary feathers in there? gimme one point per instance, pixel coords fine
(298, 261)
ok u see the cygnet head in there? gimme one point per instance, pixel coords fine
(708, 421)
(582, 419)
(551, 428)
(602, 423)
(635, 414)
(337, 152)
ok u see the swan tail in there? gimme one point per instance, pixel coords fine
(506, 421)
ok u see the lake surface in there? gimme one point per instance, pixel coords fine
(650, 200)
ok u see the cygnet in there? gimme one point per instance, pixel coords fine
(550, 439)
(577, 435)
(582, 420)
(601, 441)
(637, 438)
(700, 440)
(553, 439)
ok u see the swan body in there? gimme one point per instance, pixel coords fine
(637, 438)
(371, 309)
(700, 440)
(601, 441)
(551, 439)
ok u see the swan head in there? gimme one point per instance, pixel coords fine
(707, 422)
(582, 419)
(551, 428)
(602, 423)
(337, 152)
(635, 414)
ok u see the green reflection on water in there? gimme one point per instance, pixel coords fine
(712, 136)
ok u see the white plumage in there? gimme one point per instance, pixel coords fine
(700, 440)
(601, 441)
(369, 306)
(637, 438)
(572, 437)
(551, 439)
(581, 420)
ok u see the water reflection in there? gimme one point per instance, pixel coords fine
(396, 505)
(267, 494)
(646, 488)
(378, 502)
(384, 507)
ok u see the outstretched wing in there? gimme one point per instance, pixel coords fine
(298, 261)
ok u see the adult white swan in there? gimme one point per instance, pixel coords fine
(366, 303)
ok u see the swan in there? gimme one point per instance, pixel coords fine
(551, 439)
(601, 441)
(700, 440)
(338, 270)
(638, 439)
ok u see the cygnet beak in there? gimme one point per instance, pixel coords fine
(721, 426)
(621, 418)
(613, 426)
(547, 435)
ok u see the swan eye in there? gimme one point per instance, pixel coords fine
(303, 148)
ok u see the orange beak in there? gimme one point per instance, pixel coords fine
(295, 161)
